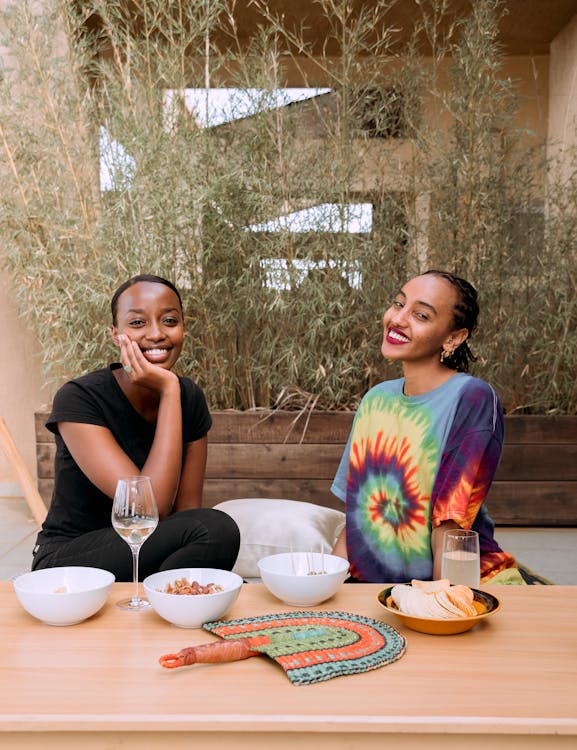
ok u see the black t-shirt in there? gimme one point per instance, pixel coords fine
(77, 505)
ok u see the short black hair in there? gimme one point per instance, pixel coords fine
(151, 278)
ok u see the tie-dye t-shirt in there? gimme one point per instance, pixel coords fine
(413, 462)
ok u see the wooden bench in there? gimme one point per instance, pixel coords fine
(287, 455)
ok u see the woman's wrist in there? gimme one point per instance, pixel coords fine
(170, 387)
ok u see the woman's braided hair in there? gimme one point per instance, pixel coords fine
(465, 313)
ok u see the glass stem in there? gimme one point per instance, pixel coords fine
(135, 551)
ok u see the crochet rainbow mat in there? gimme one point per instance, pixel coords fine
(316, 647)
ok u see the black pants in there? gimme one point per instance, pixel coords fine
(202, 538)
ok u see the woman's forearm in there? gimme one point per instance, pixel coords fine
(340, 548)
(191, 484)
(164, 462)
(437, 545)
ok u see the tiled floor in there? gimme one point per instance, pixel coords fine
(550, 552)
(18, 531)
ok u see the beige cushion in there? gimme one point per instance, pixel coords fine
(269, 526)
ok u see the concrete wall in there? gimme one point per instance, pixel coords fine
(22, 389)
(563, 94)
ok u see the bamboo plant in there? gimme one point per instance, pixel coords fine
(288, 227)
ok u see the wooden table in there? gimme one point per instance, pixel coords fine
(511, 681)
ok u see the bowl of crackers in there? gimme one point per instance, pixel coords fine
(303, 579)
(437, 607)
(190, 597)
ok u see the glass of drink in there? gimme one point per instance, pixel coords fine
(461, 561)
(134, 518)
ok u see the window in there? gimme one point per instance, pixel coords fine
(380, 112)
(117, 167)
(333, 218)
(215, 106)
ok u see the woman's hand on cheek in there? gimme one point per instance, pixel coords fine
(130, 355)
(125, 353)
(139, 370)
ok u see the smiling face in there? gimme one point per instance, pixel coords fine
(150, 314)
(420, 323)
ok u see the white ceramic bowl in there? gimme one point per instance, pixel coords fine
(63, 596)
(192, 610)
(288, 576)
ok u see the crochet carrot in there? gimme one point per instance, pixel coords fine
(213, 653)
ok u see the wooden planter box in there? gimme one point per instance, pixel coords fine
(284, 455)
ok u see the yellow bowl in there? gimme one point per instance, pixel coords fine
(487, 604)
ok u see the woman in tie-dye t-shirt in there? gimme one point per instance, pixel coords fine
(423, 449)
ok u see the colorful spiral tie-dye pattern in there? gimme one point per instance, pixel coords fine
(412, 463)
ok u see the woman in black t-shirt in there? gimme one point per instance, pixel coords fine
(134, 417)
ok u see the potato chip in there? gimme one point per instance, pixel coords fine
(430, 587)
(434, 599)
(462, 597)
(448, 605)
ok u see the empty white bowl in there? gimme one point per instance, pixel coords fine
(192, 610)
(303, 579)
(63, 596)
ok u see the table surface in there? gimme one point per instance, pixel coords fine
(514, 673)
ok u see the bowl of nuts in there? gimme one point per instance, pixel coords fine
(190, 597)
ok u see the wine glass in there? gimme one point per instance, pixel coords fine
(134, 517)
(461, 561)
